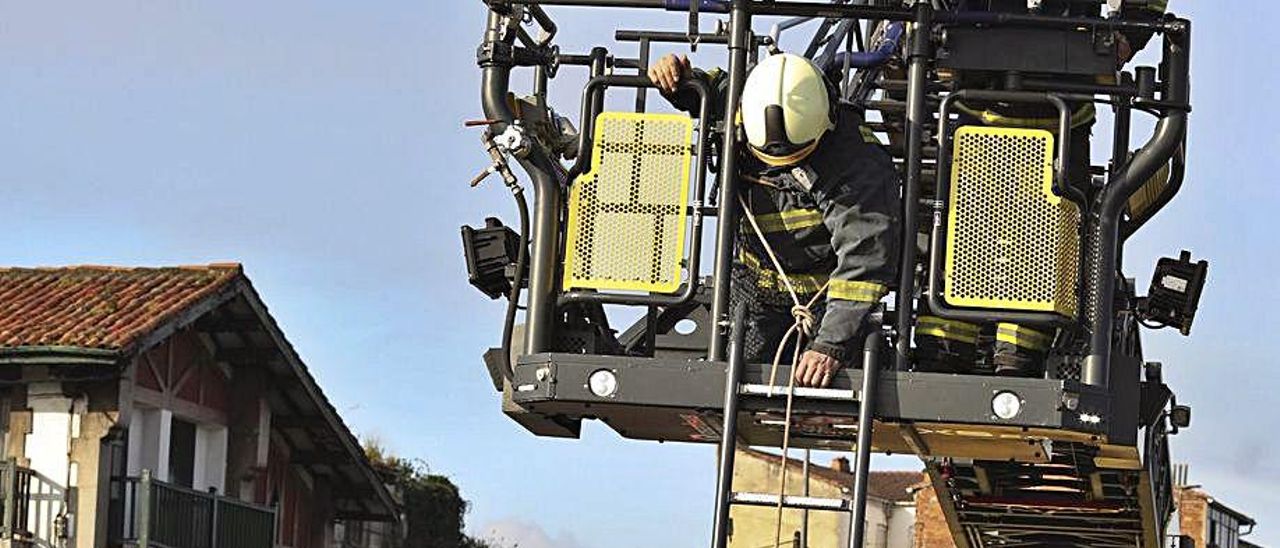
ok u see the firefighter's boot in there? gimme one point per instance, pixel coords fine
(1020, 351)
(946, 346)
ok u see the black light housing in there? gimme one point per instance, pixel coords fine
(1180, 416)
(1175, 292)
(489, 252)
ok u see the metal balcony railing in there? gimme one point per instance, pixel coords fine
(148, 513)
(15, 496)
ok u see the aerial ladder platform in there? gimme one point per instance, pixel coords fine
(1075, 456)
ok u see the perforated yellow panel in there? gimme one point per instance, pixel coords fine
(627, 216)
(1146, 195)
(1011, 243)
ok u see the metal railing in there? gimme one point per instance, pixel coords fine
(149, 513)
(15, 496)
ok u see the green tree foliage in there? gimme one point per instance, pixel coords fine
(432, 507)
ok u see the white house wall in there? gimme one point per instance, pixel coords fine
(210, 458)
(902, 525)
(875, 531)
(149, 442)
(47, 448)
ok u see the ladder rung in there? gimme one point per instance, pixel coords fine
(809, 393)
(791, 501)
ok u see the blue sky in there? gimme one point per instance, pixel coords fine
(319, 143)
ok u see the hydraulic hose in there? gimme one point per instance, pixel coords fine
(513, 299)
(707, 6)
(880, 55)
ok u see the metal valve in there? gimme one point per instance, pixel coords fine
(513, 140)
(498, 154)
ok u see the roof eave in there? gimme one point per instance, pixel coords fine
(60, 355)
(245, 288)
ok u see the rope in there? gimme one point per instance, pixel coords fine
(803, 326)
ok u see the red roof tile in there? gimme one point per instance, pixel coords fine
(99, 307)
(896, 486)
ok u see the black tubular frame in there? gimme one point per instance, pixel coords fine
(592, 103)
(1169, 135)
(495, 81)
(919, 55)
(938, 241)
(1106, 219)
(729, 432)
(740, 41)
(871, 349)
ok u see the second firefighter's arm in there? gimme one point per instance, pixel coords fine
(1135, 40)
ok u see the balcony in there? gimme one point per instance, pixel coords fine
(148, 513)
(15, 499)
(31, 508)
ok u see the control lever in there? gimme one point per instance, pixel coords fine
(497, 157)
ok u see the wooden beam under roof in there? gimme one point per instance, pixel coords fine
(298, 421)
(310, 458)
(227, 324)
(247, 355)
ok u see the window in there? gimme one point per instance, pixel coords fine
(1224, 529)
(182, 453)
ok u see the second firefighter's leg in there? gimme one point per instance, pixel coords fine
(1020, 351)
(946, 346)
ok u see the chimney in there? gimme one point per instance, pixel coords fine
(1181, 473)
(840, 464)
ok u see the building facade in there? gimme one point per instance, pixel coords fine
(1205, 521)
(890, 504)
(166, 406)
(903, 510)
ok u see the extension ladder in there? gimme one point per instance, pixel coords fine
(866, 401)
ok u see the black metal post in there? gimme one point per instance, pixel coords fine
(680, 37)
(643, 59)
(1169, 134)
(803, 534)
(921, 52)
(495, 84)
(599, 65)
(866, 423)
(1120, 132)
(727, 217)
(729, 431)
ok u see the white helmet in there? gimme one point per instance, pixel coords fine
(785, 109)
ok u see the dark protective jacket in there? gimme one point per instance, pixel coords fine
(831, 220)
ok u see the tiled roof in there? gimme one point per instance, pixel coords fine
(892, 486)
(115, 310)
(99, 307)
(896, 486)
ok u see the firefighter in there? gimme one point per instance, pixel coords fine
(825, 197)
(953, 346)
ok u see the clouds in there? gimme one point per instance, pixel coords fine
(515, 533)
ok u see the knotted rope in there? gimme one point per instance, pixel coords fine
(803, 326)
